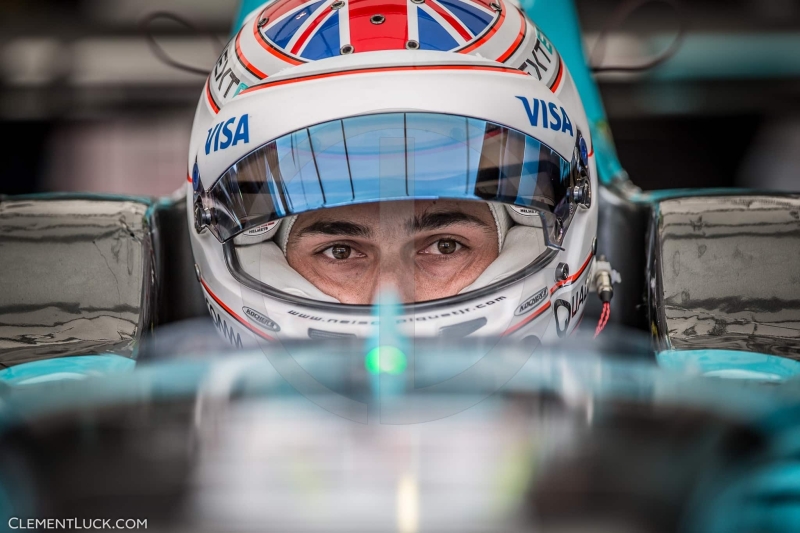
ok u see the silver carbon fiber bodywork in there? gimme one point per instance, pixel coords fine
(724, 273)
(77, 276)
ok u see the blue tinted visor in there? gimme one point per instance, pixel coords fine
(390, 157)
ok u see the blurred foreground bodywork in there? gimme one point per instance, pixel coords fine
(573, 442)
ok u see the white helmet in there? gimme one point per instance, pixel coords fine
(331, 103)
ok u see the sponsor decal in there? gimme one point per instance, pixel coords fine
(400, 320)
(228, 133)
(355, 321)
(525, 211)
(544, 114)
(222, 326)
(262, 229)
(579, 298)
(455, 312)
(490, 302)
(562, 310)
(223, 76)
(538, 62)
(544, 42)
(531, 303)
(261, 319)
(541, 60)
(240, 88)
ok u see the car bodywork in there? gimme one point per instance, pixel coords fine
(136, 255)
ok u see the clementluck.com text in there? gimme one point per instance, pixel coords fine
(76, 523)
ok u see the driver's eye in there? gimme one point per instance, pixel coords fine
(447, 246)
(340, 251)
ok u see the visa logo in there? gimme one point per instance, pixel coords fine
(228, 133)
(557, 118)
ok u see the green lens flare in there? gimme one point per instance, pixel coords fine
(387, 359)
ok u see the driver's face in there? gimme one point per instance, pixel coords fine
(423, 250)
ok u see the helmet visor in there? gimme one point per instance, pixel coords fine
(389, 157)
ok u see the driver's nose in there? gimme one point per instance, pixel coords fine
(396, 275)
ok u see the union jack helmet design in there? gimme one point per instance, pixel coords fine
(317, 104)
(287, 33)
(316, 30)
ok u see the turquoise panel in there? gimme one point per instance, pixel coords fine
(66, 368)
(730, 364)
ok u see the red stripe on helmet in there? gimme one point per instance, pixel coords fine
(298, 45)
(239, 319)
(243, 60)
(560, 76)
(266, 45)
(572, 279)
(210, 97)
(489, 32)
(523, 32)
(485, 68)
(536, 314)
(454, 22)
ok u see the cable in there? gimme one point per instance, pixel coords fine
(621, 14)
(158, 51)
(603, 322)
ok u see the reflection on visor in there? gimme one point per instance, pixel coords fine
(393, 156)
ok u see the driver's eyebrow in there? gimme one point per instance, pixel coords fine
(336, 228)
(434, 221)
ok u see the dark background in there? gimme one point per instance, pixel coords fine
(84, 105)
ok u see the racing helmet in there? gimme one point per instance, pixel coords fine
(319, 106)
